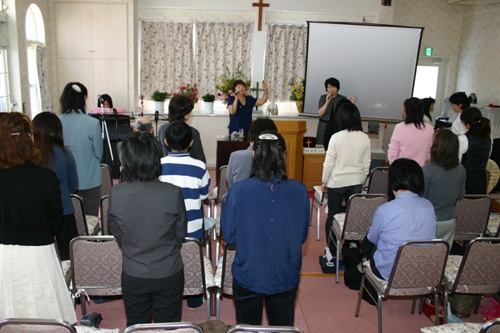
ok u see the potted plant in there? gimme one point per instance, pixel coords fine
(226, 81)
(159, 98)
(209, 103)
(297, 90)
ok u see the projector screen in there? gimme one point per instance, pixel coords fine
(376, 63)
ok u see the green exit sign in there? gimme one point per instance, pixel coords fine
(428, 51)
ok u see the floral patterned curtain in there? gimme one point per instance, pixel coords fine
(43, 79)
(166, 56)
(221, 44)
(286, 49)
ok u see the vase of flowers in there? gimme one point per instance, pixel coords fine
(190, 91)
(208, 99)
(226, 81)
(159, 98)
(296, 87)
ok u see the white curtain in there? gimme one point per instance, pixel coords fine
(286, 50)
(43, 78)
(166, 56)
(220, 45)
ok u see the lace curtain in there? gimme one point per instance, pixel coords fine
(43, 79)
(286, 49)
(220, 45)
(166, 56)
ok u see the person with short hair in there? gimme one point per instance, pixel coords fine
(152, 273)
(105, 101)
(412, 138)
(267, 217)
(31, 213)
(48, 137)
(406, 218)
(240, 161)
(444, 182)
(240, 106)
(459, 101)
(82, 135)
(347, 161)
(179, 109)
(143, 124)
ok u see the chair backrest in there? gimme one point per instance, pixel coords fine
(11, 325)
(472, 214)
(227, 271)
(96, 265)
(194, 272)
(103, 206)
(359, 214)
(379, 181)
(259, 328)
(479, 271)
(418, 268)
(186, 327)
(222, 187)
(81, 222)
(106, 179)
(492, 326)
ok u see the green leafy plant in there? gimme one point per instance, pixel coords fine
(208, 98)
(160, 96)
(227, 79)
(297, 89)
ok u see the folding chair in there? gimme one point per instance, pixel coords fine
(319, 200)
(355, 223)
(379, 181)
(492, 326)
(86, 224)
(25, 325)
(472, 214)
(96, 267)
(103, 210)
(106, 179)
(198, 272)
(259, 328)
(224, 277)
(477, 272)
(161, 327)
(417, 271)
(222, 189)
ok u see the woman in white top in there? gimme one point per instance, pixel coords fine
(347, 161)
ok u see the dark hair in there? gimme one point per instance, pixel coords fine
(460, 98)
(16, 146)
(406, 174)
(141, 154)
(426, 104)
(259, 125)
(47, 131)
(105, 98)
(348, 117)
(444, 149)
(268, 161)
(179, 107)
(73, 97)
(414, 112)
(479, 125)
(178, 135)
(333, 82)
(236, 83)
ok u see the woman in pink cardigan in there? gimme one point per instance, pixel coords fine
(413, 138)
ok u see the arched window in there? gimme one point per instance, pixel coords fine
(35, 41)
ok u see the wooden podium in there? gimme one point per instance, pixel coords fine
(293, 133)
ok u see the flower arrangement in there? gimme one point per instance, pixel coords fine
(190, 91)
(208, 98)
(297, 89)
(226, 81)
(160, 96)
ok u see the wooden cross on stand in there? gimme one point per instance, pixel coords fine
(261, 5)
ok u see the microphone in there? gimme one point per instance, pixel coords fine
(157, 115)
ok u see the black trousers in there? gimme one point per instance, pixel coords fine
(280, 308)
(68, 231)
(335, 198)
(146, 299)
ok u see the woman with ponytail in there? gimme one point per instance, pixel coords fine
(476, 157)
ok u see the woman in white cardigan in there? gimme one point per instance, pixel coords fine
(347, 161)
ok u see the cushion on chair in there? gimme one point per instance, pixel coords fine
(66, 269)
(453, 328)
(493, 223)
(451, 270)
(87, 329)
(492, 169)
(92, 224)
(318, 194)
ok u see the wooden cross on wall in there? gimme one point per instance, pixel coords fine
(261, 5)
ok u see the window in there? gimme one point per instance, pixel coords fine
(4, 82)
(35, 35)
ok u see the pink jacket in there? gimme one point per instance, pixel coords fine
(410, 142)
